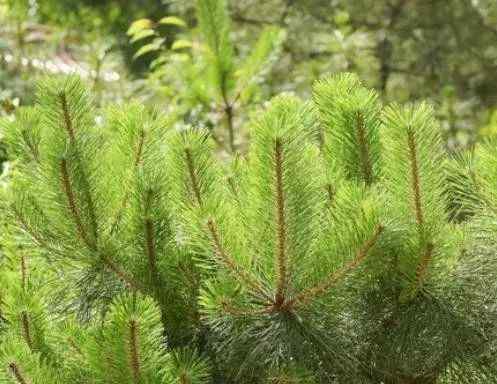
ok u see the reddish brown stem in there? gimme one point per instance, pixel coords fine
(71, 203)
(411, 143)
(122, 275)
(24, 272)
(67, 117)
(364, 155)
(17, 373)
(281, 251)
(138, 159)
(151, 253)
(193, 177)
(183, 378)
(330, 192)
(68, 123)
(134, 351)
(139, 149)
(228, 308)
(26, 329)
(423, 264)
(230, 115)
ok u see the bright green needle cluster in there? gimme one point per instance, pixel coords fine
(366, 257)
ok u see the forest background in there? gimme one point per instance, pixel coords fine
(443, 51)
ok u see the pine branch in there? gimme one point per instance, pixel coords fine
(18, 374)
(350, 116)
(230, 115)
(231, 183)
(150, 245)
(67, 117)
(71, 202)
(24, 272)
(416, 179)
(121, 274)
(230, 309)
(189, 368)
(281, 252)
(24, 226)
(193, 177)
(152, 258)
(134, 351)
(72, 343)
(311, 293)
(411, 142)
(26, 329)
(22, 136)
(32, 149)
(130, 346)
(330, 192)
(366, 165)
(137, 160)
(139, 149)
(228, 262)
(183, 379)
(68, 123)
(259, 60)
(214, 22)
(213, 11)
(423, 264)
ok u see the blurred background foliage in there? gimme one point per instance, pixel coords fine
(444, 51)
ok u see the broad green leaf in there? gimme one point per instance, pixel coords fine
(142, 35)
(180, 44)
(139, 25)
(172, 20)
(152, 47)
(158, 62)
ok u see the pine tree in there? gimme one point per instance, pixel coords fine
(229, 77)
(334, 251)
(212, 81)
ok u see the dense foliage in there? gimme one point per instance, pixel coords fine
(294, 263)
(201, 224)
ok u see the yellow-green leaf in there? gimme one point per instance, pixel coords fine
(158, 62)
(181, 44)
(173, 20)
(142, 35)
(139, 25)
(146, 49)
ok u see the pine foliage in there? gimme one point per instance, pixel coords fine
(345, 259)
(214, 22)
(230, 77)
(350, 127)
